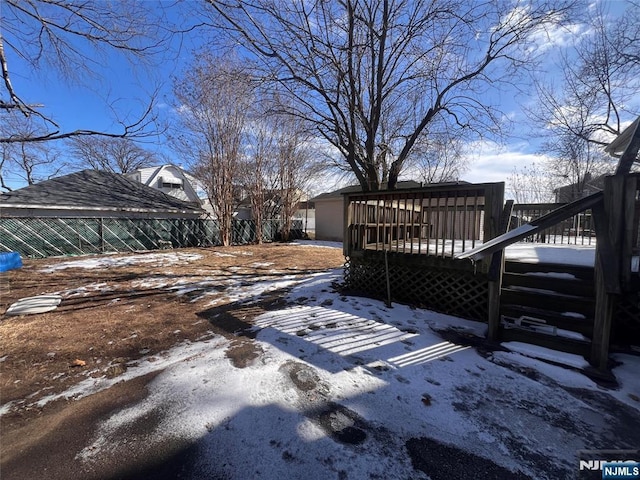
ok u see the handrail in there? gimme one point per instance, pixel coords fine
(546, 221)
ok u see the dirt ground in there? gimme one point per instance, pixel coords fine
(119, 316)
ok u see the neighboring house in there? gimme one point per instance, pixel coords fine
(174, 181)
(576, 191)
(329, 211)
(94, 193)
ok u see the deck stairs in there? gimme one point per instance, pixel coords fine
(548, 305)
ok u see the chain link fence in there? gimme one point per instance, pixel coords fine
(46, 237)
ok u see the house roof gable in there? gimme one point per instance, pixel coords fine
(153, 173)
(94, 189)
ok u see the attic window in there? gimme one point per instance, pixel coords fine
(170, 183)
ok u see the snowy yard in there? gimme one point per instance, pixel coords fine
(339, 387)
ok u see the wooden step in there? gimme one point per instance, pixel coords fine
(580, 272)
(555, 319)
(574, 287)
(554, 342)
(549, 301)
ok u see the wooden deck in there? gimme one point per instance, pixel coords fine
(427, 247)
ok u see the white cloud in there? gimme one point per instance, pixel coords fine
(556, 36)
(491, 162)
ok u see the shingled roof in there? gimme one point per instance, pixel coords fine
(94, 190)
(358, 188)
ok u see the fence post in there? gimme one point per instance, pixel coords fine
(101, 233)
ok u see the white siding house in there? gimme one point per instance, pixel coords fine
(174, 181)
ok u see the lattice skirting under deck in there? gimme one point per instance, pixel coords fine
(445, 285)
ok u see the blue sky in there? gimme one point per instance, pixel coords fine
(122, 87)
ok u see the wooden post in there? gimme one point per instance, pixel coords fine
(346, 241)
(603, 317)
(493, 218)
(610, 222)
(496, 272)
(629, 230)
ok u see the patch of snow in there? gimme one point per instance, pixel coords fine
(562, 276)
(157, 259)
(535, 351)
(84, 290)
(528, 252)
(318, 243)
(627, 375)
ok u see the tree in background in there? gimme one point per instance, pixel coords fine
(596, 96)
(370, 76)
(577, 162)
(439, 159)
(531, 184)
(295, 168)
(278, 165)
(70, 38)
(116, 155)
(26, 160)
(214, 101)
(255, 172)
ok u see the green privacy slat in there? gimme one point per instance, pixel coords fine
(43, 237)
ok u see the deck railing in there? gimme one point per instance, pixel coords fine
(439, 220)
(577, 230)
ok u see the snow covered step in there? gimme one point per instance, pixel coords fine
(550, 301)
(566, 284)
(551, 270)
(562, 343)
(564, 320)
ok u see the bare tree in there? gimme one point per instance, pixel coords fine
(31, 162)
(596, 95)
(214, 103)
(117, 155)
(69, 37)
(531, 184)
(438, 158)
(295, 169)
(599, 82)
(577, 162)
(255, 173)
(277, 167)
(372, 75)
(625, 38)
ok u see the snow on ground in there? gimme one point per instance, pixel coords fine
(343, 383)
(529, 252)
(318, 243)
(582, 255)
(157, 259)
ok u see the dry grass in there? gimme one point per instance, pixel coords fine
(122, 315)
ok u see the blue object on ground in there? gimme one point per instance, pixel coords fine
(10, 261)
